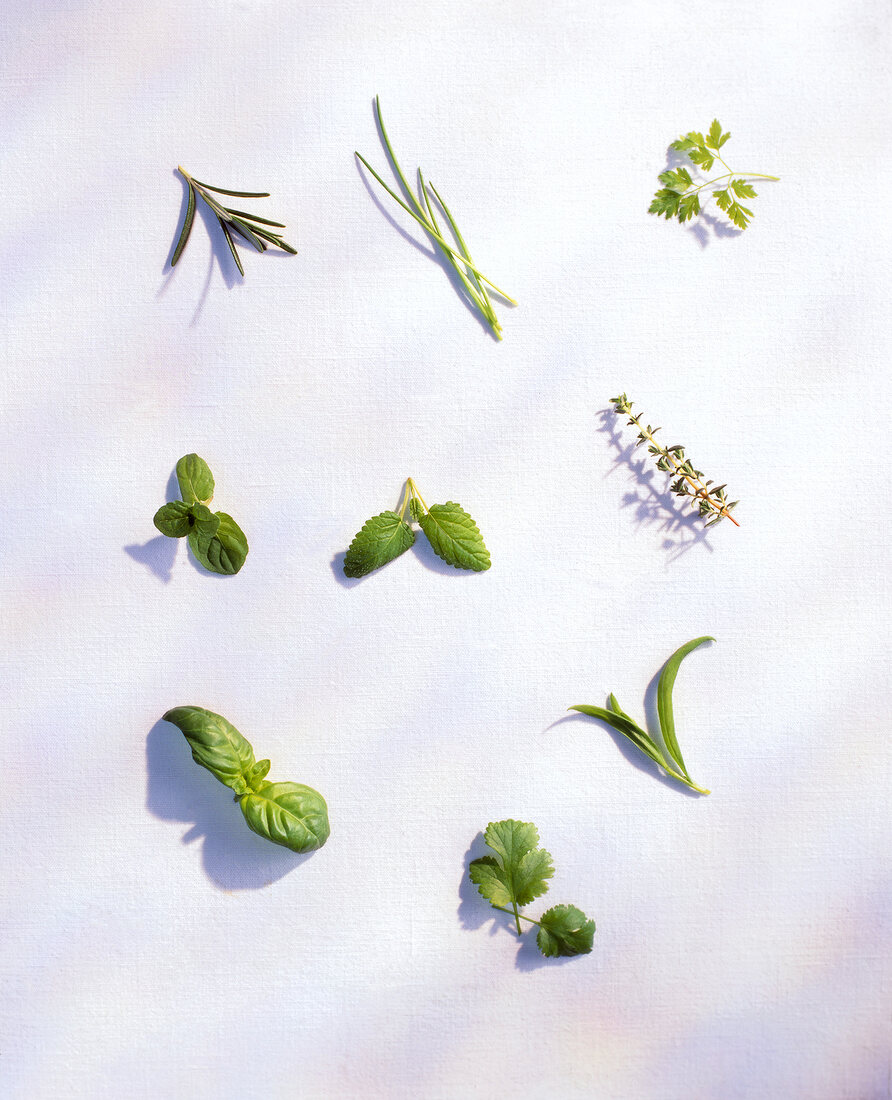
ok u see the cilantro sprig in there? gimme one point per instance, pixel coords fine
(452, 533)
(516, 875)
(680, 194)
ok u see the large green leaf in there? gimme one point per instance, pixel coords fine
(174, 519)
(664, 698)
(381, 539)
(454, 537)
(216, 744)
(519, 871)
(290, 814)
(226, 551)
(565, 930)
(195, 478)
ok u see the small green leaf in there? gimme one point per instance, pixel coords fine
(173, 519)
(664, 698)
(257, 774)
(226, 551)
(665, 203)
(743, 189)
(216, 745)
(187, 225)
(454, 537)
(624, 725)
(290, 814)
(237, 194)
(381, 539)
(195, 479)
(714, 137)
(722, 199)
(228, 236)
(521, 869)
(565, 930)
(416, 511)
(203, 528)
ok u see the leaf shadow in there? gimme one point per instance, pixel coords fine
(651, 505)
(704, 225)
(160, 552)
(177, 789)
(434, 252)
(633, 755)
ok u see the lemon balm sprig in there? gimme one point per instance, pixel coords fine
(680, 194)
(473, 280)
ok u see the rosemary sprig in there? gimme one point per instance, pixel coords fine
(472, 279)
(247, 226)
(709, 499)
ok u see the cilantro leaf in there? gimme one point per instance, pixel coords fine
(380, 540)
(455, 537)
(565, 930)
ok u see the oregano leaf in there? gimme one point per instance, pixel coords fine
(454, 537)
(380, 540)
(226, 552)
(173, 519)
(195, 479)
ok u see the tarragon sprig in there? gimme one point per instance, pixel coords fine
(680, 195)
(472, 279)
(252, 228)
(709, 499)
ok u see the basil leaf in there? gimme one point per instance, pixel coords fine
(195, 478)
(226, 551)
(216, 745)
(664, 698)
(381, 539)
(173, 519)
(290, 814)
(454, 537)
(565, 930)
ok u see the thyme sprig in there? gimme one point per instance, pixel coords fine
(249, 226)
(472, 279)
(709, 499)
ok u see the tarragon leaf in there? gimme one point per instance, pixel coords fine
(565, 930)
(195, 479)
(216, 745)
(454, 537)
(664, 698)
(519, 872)
(226, 552)
(291, 814)
(381, 539)
(173, 519)
(624, 725)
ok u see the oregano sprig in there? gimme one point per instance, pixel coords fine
(670, 760)
(472, 279)
(256, 231)
(214, 537)
(709, 499)
(452, 533)
(680, 194)
(517, 874)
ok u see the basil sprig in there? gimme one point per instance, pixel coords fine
(214, 537)
(290, 814)
(452, 533)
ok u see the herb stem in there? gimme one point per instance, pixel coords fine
(517, 915)
(415, 492)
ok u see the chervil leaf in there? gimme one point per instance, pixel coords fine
(665, 203)
(454, 537)
(740, 215)
(565, 930)
(678, 180)
(381, 539)
(722, 199)
(173, 519)
(688, 206)
(714, 137)
(195, 479)
(702, 157)
(743, 189)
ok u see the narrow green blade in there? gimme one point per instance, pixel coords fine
(627, 728)
(187, 226)
(237, 194)
(664, 698)
(229, 241)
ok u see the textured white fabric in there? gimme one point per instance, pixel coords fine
(153, 947)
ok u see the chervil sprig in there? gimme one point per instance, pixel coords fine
(679, 196)
(472, 279)
(710, 500)
(253, 229)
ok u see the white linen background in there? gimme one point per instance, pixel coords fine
(152, 945)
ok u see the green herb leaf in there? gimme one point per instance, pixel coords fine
(226, 552)
(381, 539)
(519, 872)
(664, 698)
(195, 479)
(205, 525)
(216, 745)
(187, 225)
(624, 725)
(565, 930)
(290, 814)
(454, 537)
(173, 519)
